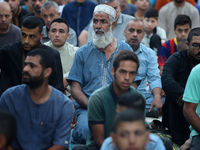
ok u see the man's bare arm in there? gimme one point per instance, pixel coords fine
(78, 95)
(191, 116)
(157, 102)
(98, 134)
(57, 147)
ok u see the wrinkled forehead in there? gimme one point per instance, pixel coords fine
(135, 24)
(101, 15)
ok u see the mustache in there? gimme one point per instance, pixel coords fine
(25, 44)
(26, 73)
(101, 30)
(134, 39)
(197, 54)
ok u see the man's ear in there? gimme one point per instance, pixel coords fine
(187, 43)
(147, 139)
(47, 72)
(113, 138)
(41, 36)
(112, 71)
(125, 32)
(113, 25)
(2, 141)
(68, 35)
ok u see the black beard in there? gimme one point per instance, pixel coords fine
(179, 1)
(33, 82)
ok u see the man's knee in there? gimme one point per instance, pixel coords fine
(81, 130)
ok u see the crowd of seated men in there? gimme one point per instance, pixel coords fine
(86, 61)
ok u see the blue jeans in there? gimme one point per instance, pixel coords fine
(81, 129)
(150, 98)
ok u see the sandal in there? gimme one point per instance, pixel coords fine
(156, 127)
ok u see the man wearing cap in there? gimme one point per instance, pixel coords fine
(121, 21)
(92, 65)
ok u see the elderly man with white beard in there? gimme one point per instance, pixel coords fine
(92, 65)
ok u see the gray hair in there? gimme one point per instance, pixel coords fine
(50, 4)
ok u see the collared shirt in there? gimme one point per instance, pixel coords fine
(91, 69)
(72, 39)
(148, 70)
(118, 31)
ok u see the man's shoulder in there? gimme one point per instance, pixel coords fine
(15, 28)
(15, 91)
(103, 90)
(169, 43)
(167, 6)
(146, 49)
(127, 17)
(87, 48)
(50, 49)
(134, 90)
(11, 47)
(191, 8)
(59, 96)
(180, 56)
(91, 3)
(71, 48)
(123, 45)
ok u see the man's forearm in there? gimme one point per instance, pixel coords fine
(81, 99)
(157, 91)
(78, 95)
(191, 116)
(57, 147)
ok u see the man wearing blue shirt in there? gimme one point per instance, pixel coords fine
(148, 70)
(43, 113)
(92, 65)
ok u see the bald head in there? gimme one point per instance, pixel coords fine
(6, 15)
(5, 6)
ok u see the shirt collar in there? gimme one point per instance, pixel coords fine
(114, 94)
(120, 19)
(139, 50)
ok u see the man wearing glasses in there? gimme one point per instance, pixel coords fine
(174, 77)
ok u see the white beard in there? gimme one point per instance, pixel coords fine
(102, 40)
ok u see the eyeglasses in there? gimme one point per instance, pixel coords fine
(195, 45)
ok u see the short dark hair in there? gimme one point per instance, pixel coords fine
(193, 32)
(124, 55)
(182, 20)
(151, 12)
(7, 126)
(47, 59)
(61, 20)
(32, 22)
(128, 115)
(132, 100)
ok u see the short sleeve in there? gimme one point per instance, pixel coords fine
(63, 130)
(191, 93)
(95, 110)
(76, 72)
